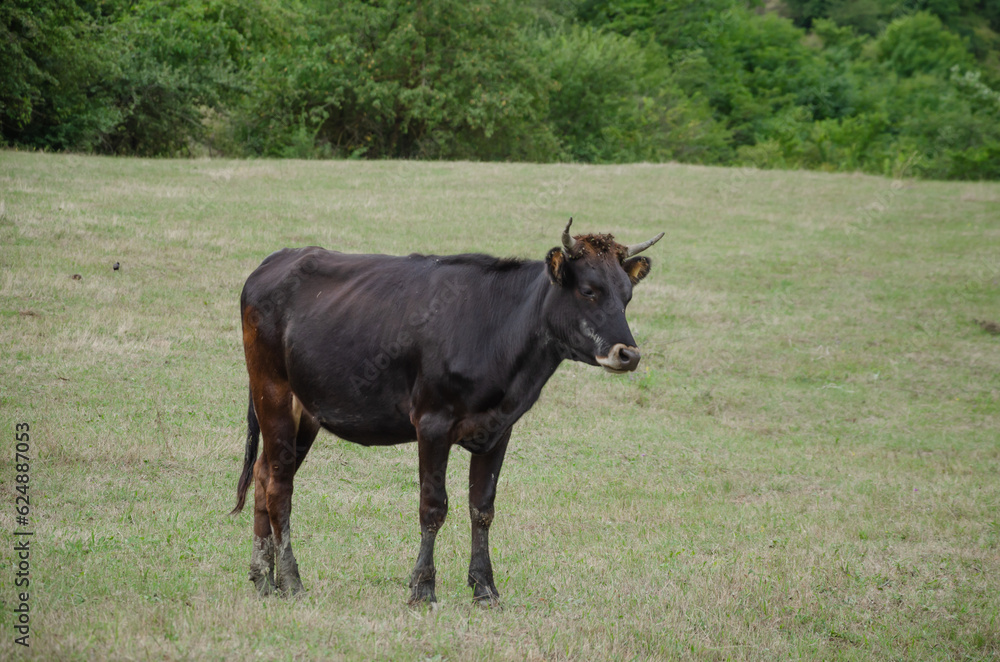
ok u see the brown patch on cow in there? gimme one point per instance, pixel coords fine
(296, 412)
(637, 268)
(555, 263)
(599, 245)
(250, 319)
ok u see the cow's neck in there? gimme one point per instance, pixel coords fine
(525, 328)
(526, 371)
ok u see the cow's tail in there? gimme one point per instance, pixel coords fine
(250, 457)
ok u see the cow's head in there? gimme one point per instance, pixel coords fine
(592, 278)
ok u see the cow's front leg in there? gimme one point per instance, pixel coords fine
(484, 470)
(433, 451)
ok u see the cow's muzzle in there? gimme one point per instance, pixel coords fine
(621, 358)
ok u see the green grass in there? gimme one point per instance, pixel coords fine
(805, 465)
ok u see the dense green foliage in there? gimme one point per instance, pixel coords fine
(868, 85)
(440, 79)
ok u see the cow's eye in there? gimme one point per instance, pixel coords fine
(587, 293)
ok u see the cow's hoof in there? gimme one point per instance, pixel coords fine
(290, 588)
(263, 579)
(422, 594)
(490, 603)
(486, 597)
(263, 584)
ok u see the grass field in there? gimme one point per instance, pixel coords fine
(805, 465)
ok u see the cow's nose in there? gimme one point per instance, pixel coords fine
(628, 358)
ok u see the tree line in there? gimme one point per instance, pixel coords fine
(895, 87)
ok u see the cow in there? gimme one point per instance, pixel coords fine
(441, 350)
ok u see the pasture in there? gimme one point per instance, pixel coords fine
(805, 464)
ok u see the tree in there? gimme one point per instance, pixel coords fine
(55, 60)
(921, 44)
(441, 78)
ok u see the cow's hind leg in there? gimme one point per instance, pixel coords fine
(484, 470)
(280, 414)
(308, 429)
(262, 559)
(262, 556)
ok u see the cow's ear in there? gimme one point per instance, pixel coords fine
(637, 268)
(555, 264)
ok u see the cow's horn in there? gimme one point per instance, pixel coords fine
(568, 242)
(635, 249)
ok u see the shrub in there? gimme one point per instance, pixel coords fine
(921, 44)
(613, 101)
(445, 79)
(55, 62)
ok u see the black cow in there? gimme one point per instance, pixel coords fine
(443, 350)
